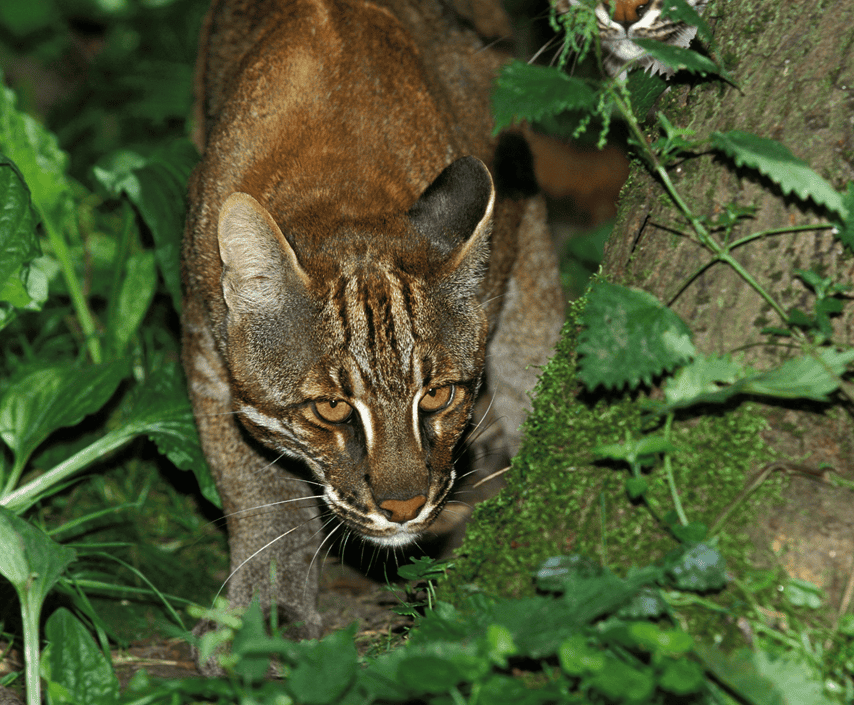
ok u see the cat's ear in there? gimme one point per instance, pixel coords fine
(259, 264)
(455, 214)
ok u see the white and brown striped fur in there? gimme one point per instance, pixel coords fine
(359, 289)
(621, 21)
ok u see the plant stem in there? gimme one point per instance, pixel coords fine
(668, 471)
(75, 291)
(30, 613)
(25, 496)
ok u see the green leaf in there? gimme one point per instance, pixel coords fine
(36, 153)
(698, 568)
(52, 397)
(79, 673)
(845, 229)
(163, 412)
(29, 558)
(774, 160)
(677, 58)
(135, 296)
(251, 666)
(619, 681)
(681, 677)
(629, 338)
(802, 377)
(18, 241)
(528, 92)
(325, 669)
(578, 658)
(700, 380)
(761, 679)
(156, 185)
(681, 11)
(802, 593)
(636, 487)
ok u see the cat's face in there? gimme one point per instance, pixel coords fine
(365, 362)
(622, 21)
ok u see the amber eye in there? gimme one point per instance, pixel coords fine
(436, 398)
(335, 411)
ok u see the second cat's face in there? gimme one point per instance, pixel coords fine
(622, 21)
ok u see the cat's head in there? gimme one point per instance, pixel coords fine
(363, 358)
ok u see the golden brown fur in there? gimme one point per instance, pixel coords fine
(328, 265)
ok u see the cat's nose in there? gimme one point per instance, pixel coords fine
(401, 510)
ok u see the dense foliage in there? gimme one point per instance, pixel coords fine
(90, 226)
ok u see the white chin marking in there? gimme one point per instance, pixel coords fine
(400, 539)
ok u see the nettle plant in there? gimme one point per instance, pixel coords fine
(618, 321)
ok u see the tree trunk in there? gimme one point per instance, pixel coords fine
(794, 64)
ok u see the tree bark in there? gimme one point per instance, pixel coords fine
(794, 64)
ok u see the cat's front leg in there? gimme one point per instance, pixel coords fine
(273, 525)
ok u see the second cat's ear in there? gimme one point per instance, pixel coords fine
(455, 214)
(259, 264)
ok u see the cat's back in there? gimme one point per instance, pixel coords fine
(267, 52)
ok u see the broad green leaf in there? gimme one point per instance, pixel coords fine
(29, 558)
(137, 291)
(796, 681)
(620, 681)
(18, 220)
(681, 677)
(762, 679)
(79, 673)
(629, 338)
(679, 59)
(774, 160)
(36, 153)
(528, 92)
(803, 593)
(578, 658)
(163, 413)
(325, 669)
(42, 401)
(802, 377)
(156, 185)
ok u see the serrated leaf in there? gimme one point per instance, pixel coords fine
(776, 161)
(76, 665)
(700, 380)
(681, 11)
(698, 568)
(845, 230)
(52, 397)
(677, 58)
(802, 377)
(629, 338)
(527, 92)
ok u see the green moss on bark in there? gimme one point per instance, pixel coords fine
(559, 501)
